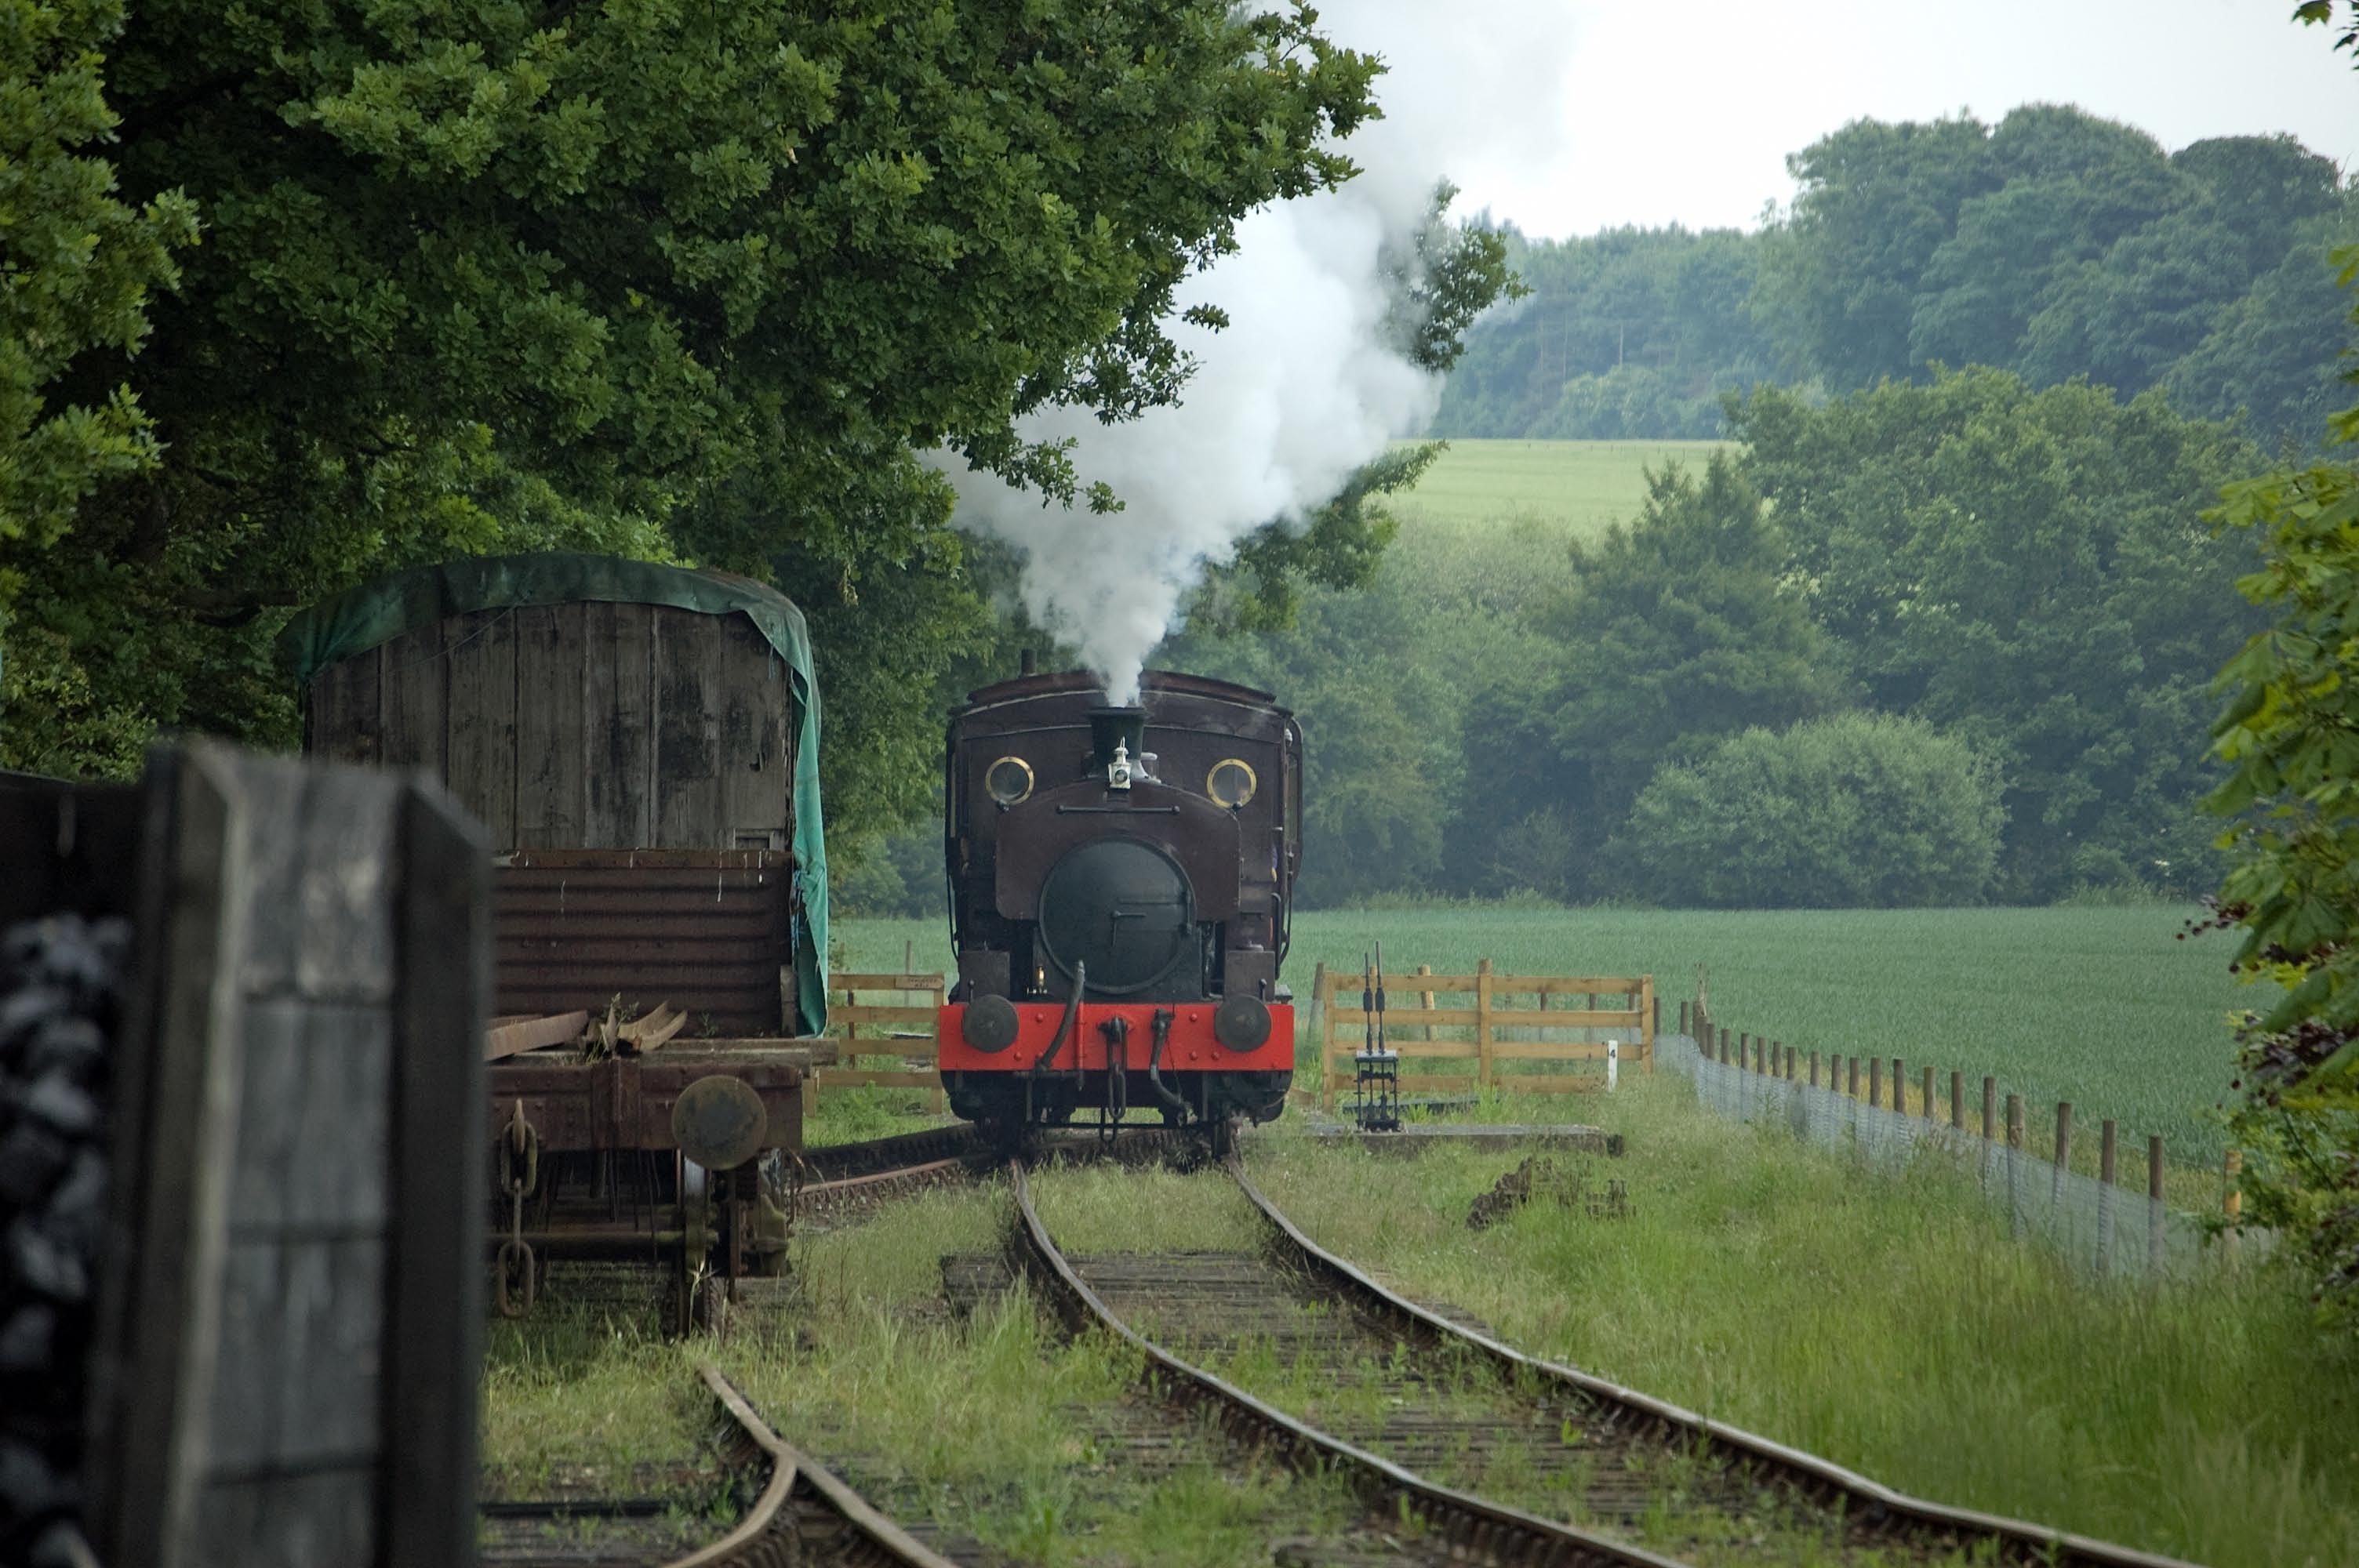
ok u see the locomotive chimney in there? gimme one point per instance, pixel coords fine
(1115, 726)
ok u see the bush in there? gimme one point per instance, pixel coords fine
(1857, 810)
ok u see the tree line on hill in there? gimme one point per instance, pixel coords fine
(2055, 243)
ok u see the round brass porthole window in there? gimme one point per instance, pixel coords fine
(1232, 782)
(1009, 780)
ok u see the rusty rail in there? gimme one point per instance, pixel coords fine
(1482, 1529)
(769, 1534)
(1802, 1476)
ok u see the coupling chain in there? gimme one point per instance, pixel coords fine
(515, 1282)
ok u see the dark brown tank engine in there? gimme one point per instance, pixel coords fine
(1122, 882)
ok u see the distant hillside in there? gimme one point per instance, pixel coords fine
(2054, 243)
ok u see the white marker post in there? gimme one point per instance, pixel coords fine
(1612, 1064)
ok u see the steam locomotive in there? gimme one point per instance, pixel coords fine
(1121, 886)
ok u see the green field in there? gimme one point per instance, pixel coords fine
(2102, 1007)
(1581, 486)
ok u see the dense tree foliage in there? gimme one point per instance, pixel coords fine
(2055, 243)
(2028, 571)
(1854, 811)
(647, 279)
(1669, 635)
(1632, 333)
(80, 264)
(2289, 734)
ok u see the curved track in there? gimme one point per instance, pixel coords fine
(804, 1515)
(1459, 1525)
(1625, 1432)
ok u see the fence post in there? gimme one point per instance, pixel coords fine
(1745, 1050)
(1876, 1080)
(1723, 1045)
(1929, 1094)
(1426, 998)
(2232, 1200)
(1851, 1077)
(2106, 1196)
(1900, 1089)
(1654, 1013)
(2013, 1164)
(2154, 1206)
(1482, 1020)
(1990, 1109)
(2064, 1149)
(1957, 1101)
(1788, 1052)
(1313, 1017)
(1814, 1069)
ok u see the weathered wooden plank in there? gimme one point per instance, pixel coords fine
(414, 709)
(165, 1235)
(343, 942)
(324, 1374)
(854, 1078)
(1536, 1085)
(289, 1521)
(434, 1339)
(1560, 1050)
(617, 678)
(552, 791)
(756, 771)
(867, 982)
(845, 1012)
(242, 1424)
(340, 709)
(531, 1034)
(1439, 1050)
(483, 720)
(1539, 1018)
(690, 664)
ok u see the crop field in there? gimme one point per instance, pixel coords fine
(2100, 1006)
(1579, 486)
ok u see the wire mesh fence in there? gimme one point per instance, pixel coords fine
(2108, 1229)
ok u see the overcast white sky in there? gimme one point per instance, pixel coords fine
(1685, 112)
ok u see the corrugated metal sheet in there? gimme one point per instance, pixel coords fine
(705, 930)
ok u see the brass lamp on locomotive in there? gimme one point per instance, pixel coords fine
(1122, 884)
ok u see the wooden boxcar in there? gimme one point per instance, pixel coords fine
(641, 744)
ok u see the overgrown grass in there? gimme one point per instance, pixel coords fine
(2102, 1007)
(1888, 1324)
(1577, 488)
(587, 1399)
(993, 1427)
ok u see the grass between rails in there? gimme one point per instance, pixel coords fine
(1577, 487)
(1889, 1324)
(2099, 1006)
(990, 1427)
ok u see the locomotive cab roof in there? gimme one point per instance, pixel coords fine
(1152, 684)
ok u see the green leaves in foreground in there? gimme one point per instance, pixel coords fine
(2290, 732)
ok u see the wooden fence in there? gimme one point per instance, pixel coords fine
(902, 1033)
(1485, 1029)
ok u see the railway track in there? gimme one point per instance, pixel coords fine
(1441, 1523)
(1490, 1445)
(786, 1509)
(1615, 1442)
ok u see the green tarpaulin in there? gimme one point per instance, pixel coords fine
(379, 610)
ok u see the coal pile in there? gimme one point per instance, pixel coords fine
(62, 982)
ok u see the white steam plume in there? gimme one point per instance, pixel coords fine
(1301, 388)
